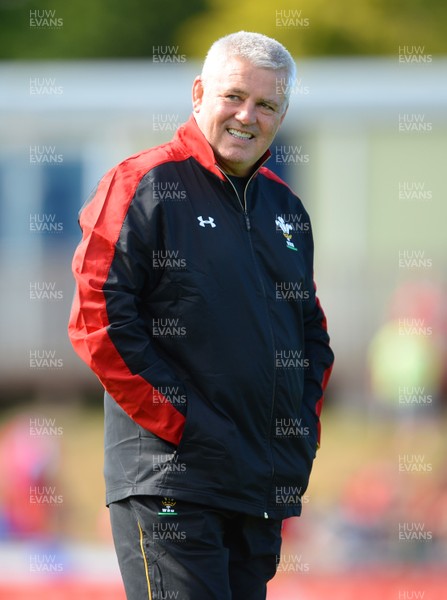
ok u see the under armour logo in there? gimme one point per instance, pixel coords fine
(209, 221)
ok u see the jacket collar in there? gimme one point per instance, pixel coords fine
(196, 145)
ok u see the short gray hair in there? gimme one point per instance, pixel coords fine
(260, 50)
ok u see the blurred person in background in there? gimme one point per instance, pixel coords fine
(196, 308)
(29, 506)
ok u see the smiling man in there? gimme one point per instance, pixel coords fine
(195, 306)
(239, 108)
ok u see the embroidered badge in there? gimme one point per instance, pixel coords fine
(286, 228)
(168, 507)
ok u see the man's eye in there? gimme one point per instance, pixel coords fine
(233, 97)
(267, 106)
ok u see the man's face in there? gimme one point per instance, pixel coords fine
(239, 111)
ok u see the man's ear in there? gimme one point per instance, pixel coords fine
(197, 93)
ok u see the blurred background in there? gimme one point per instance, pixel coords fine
(364, 144)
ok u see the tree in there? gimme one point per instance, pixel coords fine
(117, 29)
(90, 29)
(323, 27)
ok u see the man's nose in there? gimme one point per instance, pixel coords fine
(246, 113)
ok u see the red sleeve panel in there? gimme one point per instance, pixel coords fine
(97, 331)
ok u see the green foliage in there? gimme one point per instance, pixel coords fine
(91, 28)
(117, 29)
(323, 27)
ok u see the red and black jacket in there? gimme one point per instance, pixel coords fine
(196, 309)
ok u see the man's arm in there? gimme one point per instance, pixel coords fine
(112, 268)
(320, 360)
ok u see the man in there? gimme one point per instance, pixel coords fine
(196, 308)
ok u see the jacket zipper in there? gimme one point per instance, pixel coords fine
(248, 227)
(244, 205)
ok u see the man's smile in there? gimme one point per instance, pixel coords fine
(240, 135)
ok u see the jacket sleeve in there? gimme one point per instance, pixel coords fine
(113, 270)
(320, 360)
(318, 353)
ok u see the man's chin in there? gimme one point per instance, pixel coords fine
(236, 169)
(236, 164)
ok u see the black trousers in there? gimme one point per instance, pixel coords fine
(186, 551)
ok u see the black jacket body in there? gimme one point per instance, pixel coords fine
(196, 308)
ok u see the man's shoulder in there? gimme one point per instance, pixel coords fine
(273, 177)
(142, 162)
(121, 181)
(282, 190)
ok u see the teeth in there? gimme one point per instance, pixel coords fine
(242, 135)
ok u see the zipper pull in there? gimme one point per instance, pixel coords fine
(247, 221)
